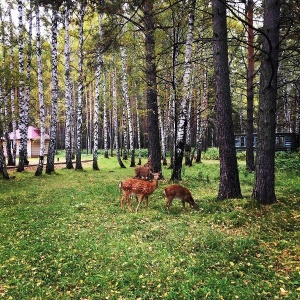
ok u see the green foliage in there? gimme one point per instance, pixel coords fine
(64, 236)
(211, 153)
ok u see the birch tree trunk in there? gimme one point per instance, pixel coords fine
(105, 120)
(3, 97)
(39, 170)
(138, 128)
(12, 91)
(68, 91)
(115, 120)
(127, 106)
(264, 182)
(229, 186)
(162, 132)
(28, 74)
(80, 90)
(183, 114)
(202, 116)
(54, 92)
(97, 100)
(22, 105)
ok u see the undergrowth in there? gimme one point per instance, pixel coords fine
(64, 236)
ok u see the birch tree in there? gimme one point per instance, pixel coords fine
(68, 89)
(54, 90)
(80, 89)
(183, 114)
(115, 119)
(12, 92)
(105, 120)
(97, 99)
(127, 106)
(22, 105)
(229, 186)
(39, 170)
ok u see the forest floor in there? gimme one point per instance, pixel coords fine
(64, 236)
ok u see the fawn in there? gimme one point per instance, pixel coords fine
(145, 172)
(138, 187)
(178, 191)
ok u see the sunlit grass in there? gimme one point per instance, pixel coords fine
(64, 236)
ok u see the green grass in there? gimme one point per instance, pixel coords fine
(64, 236)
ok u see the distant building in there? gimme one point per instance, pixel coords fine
(33, 142)
(284, 141)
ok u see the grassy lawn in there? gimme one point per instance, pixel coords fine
(64, 236)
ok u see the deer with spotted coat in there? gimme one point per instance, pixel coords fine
(141, 188)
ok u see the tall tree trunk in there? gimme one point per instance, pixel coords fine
(229, 177)
(127, 106)
(264, 183)
(80, 90)
(97, 101)
(54, 92)
(183, 114)
(22, 105)
(12, 91)
(250, 89)
(39, 170)
(105, 120)
(162, 133)
(68, 92)
(3, 98)
(115, 120)
(151, 92)
(138, 125)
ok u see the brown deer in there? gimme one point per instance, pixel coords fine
(178, 191)
(138, 187)
(144, 172)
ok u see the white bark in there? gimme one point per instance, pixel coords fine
(22, 104)
(54, 93)
(40, 91)
(80, 90)
(68, 92)
(127, 104)
(115, 119)
(105, 120)
(97, 100)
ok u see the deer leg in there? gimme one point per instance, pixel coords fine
(169, 201)
(128, 202)
(140, 201)
(183, 204)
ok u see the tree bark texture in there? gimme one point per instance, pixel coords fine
(264, 184)
(54, 94)
(40, 167)
(229, 178)
(250, 89)
(183, 111)
(151, 93)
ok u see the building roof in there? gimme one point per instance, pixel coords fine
(33, 134)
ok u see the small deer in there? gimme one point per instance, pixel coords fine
(138, 187)
(178, 191)
(144, 172)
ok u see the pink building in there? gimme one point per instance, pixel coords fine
(33, 142)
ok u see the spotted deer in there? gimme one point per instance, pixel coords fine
(138, 187)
